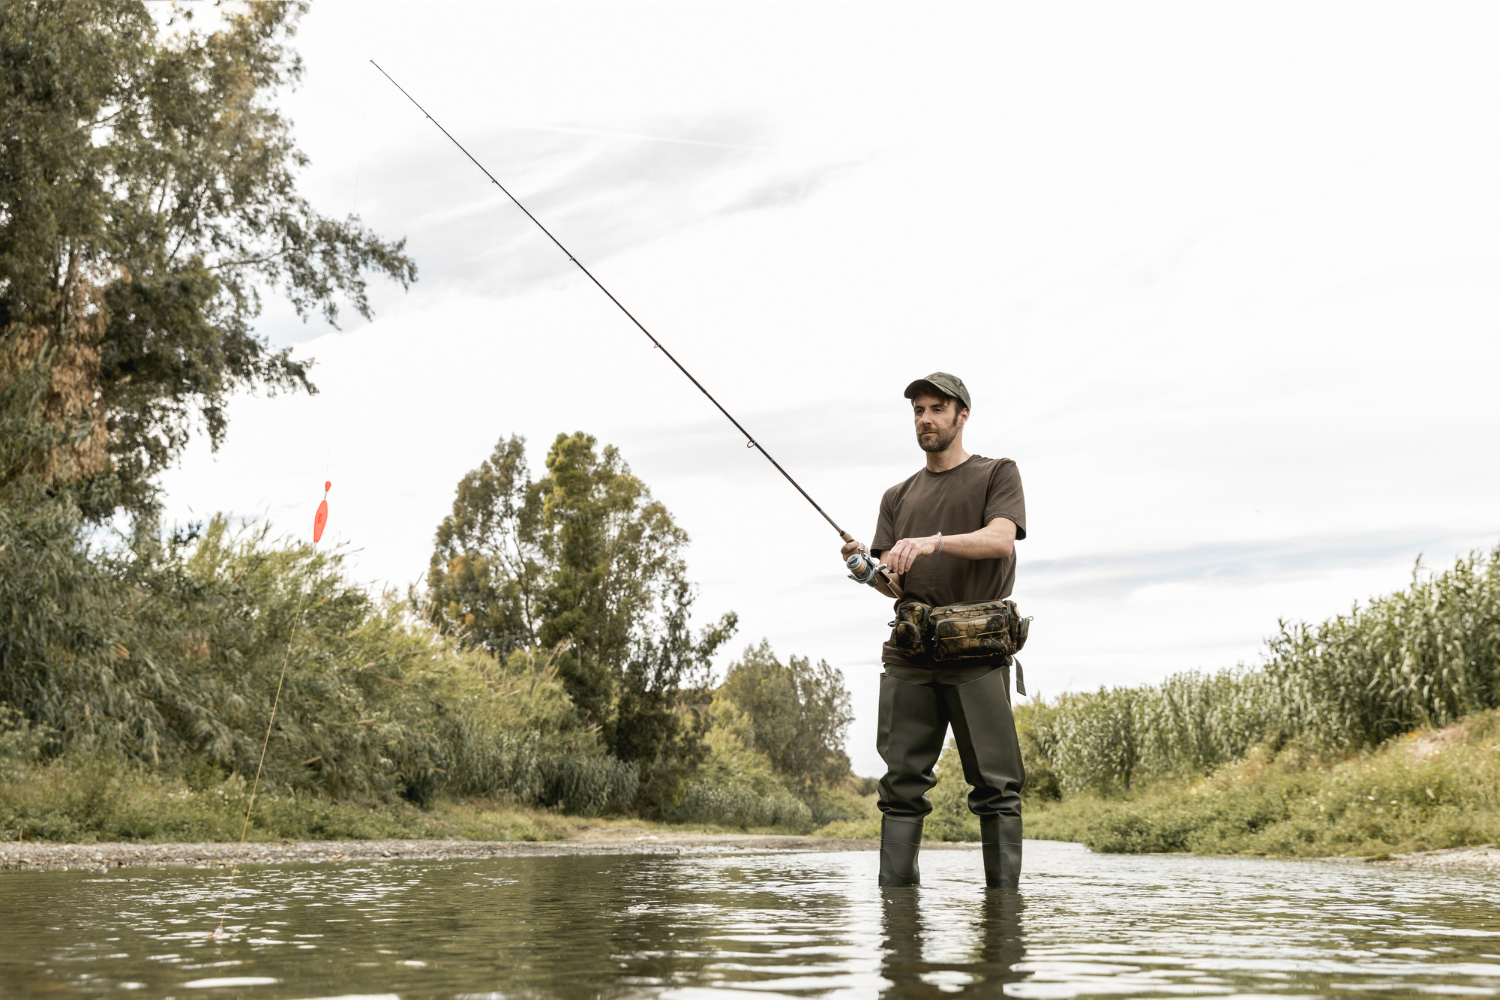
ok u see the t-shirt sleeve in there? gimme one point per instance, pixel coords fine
(885, 527)
(1005, 497)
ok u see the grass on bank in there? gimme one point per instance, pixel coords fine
(1422, 791)
(134, 694)
(96, 799)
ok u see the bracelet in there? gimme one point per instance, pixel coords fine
(940, 541)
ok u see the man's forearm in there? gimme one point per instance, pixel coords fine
(985, 543)
(996, 540)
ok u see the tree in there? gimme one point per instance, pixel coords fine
(586, 561)
(147, 200)
(486, 573)
(799, 714)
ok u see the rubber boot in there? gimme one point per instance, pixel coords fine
(900, 839)
(1001, 842)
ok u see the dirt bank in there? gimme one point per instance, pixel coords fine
(99, 857)
(1486, 858)
(102, 857)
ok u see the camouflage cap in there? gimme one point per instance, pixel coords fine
(941, 384)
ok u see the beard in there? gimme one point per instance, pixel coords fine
(944, 437)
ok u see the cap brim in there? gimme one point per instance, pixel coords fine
(922, 385)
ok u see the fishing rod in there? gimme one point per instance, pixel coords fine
(863, 568)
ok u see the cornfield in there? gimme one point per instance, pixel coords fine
(1422, 657)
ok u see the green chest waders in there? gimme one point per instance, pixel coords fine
(914, 721)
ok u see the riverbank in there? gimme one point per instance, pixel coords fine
(104, 857)
(1428, 796)
(608, 841)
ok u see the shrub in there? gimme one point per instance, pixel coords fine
(1422, 792)
(797, 714)
(1421, 657)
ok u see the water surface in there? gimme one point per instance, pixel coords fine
(801, 925)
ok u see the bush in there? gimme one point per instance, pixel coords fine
(736, 784)
(1421, 792)
(1422, 657)
(950, 818)
(740, 806)
(159, 661)
(797, 714)
(169, 653)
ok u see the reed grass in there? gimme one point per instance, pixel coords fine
(1420, 658)
(136, 681)
(1422, 791)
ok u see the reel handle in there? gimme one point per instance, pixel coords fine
(863, 568)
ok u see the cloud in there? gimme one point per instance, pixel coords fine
(1235, 563)
(781, 192)
(599, 192)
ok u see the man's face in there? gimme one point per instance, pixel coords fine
(938, 421)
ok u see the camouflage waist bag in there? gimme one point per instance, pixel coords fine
(972, 630)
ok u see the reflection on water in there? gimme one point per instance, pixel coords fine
(807, 925)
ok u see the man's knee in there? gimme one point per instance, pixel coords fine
(911, 731)
(987, 744)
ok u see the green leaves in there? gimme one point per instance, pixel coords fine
(147, 200)
(586, 562)
(798, 714)
(1422, 657)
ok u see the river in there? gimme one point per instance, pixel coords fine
(784, 924)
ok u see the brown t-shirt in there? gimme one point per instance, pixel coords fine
(961, 500)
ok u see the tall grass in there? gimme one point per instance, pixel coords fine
(168, 653)
(152, 666)
(1432, 790)
(1422, 657)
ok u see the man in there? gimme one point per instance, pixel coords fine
(948, 535)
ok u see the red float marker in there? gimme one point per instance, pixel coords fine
(320, 519)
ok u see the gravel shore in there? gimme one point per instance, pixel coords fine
(1486, 858)
(102, 857)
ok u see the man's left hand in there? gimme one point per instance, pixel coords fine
(908, 551)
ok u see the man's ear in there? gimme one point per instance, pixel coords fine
(963, 416)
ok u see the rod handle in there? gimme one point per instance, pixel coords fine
(890, 581)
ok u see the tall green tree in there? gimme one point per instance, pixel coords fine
(583, 559)
(147, 201)
(799, 714)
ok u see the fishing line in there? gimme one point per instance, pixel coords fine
(319, 520)
(750, 442)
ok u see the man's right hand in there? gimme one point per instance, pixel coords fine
(852, 546)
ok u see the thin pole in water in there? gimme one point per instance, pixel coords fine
(320, 519)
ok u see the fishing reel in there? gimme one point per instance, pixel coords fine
(865, 568)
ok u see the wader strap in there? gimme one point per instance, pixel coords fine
(1020, 676)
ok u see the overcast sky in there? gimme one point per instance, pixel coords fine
(1221, 279)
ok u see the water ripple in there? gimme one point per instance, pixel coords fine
(799, 925)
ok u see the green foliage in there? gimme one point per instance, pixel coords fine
(584, 561)
(169, 654)
(1425, 656)
(486, 574)
(798, 715)
(21, 743)
(89, 797)
(147, 196)
(736, 785)
(739, 785)
(1422, 657)
(950, 818)
(1421, 792)
(137, 683)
